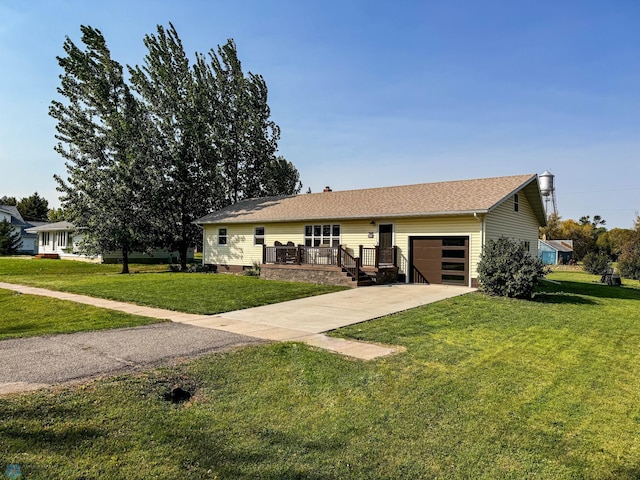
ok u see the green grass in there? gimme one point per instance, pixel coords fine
(31, 315)
(186, 292)
(488, 388)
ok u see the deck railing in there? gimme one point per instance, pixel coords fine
(350, 264)
(377, 256)
(301, 255)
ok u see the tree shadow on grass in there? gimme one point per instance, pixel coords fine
(562, 298)
(596, 290)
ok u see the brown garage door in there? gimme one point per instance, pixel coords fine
(439, 260)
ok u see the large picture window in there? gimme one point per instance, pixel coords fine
(316, 235)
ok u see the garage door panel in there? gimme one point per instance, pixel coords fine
(440, 260)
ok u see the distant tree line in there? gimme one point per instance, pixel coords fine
(596, 246)
(148, 155)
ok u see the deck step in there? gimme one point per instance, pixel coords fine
(51, 256)
(363, 281)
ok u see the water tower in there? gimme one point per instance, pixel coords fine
(548, 191)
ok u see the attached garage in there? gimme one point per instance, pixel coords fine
(439, 260)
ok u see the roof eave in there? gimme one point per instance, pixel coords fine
(456, 213)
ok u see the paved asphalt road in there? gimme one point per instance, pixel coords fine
(29, 363)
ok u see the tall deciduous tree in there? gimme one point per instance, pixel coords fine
(186, 155)
(142, 168)
(33, 208)
(281, 178)
(247, 136)
(56, 215)
(101, 132)
(215, 140)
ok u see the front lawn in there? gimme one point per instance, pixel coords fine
(186, 292)
(488, 388)
(32, 315)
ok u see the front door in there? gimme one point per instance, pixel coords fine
(385, 242)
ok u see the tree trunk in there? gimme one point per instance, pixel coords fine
(125, 260)
(183, 255)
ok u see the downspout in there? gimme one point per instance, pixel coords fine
(482, 236)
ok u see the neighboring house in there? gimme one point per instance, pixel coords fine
(62, 240)
(12, 215)
(424, 233)
(555, 252)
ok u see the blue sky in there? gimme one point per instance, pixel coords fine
(371, 93)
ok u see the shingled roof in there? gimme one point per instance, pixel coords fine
(16, 218)
(52, 227)
(420, 200)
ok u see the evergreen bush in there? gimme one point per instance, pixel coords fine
(507, 269)
(596, 263)
(10, 241)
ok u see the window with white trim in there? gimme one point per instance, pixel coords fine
(258, 236)
(316, 235)
(44, 238)
(222, 236)
(61, 239)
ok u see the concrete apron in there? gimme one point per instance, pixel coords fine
(302, 320)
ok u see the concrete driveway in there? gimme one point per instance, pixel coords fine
(41, 361)
(335, 310)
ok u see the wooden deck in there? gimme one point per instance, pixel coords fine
(373, 265)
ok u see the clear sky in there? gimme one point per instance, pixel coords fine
(370, 93)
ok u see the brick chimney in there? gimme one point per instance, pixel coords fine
(327, 189)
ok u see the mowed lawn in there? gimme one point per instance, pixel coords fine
(31, 315)
(488, 388)
(154, 286)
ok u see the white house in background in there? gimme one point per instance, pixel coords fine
(12, 215)
(424, 233)
(62, 240)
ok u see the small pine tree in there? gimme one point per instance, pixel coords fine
(596, 263)
(507, 269)
(10, 240)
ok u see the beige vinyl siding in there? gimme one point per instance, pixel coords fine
(356, 232)
(240, 249)
(522, 225)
